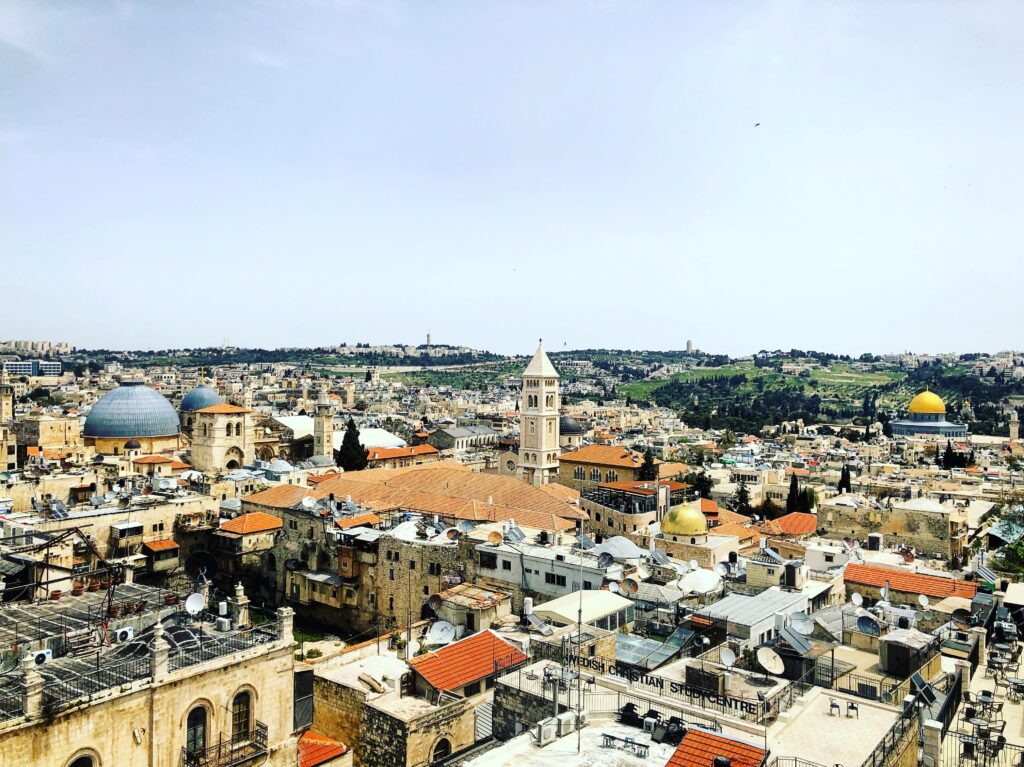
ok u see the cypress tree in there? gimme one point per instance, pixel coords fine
(352, 456)
(792, 499)
(648, 471)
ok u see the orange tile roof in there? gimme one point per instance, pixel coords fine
(741, 532)
(180, 465)
(644, 488)
(224, 408)
(908, 582)
(253, 522)
(605, 455)
(725, 516)
(318, 478)
(316, 748)
(797, 523)
(699, 749)
(561, 492)
(162, 545)
(387, 453)
(153, 459)
(466, 661)
(368, 519)
(798, 472)
(279, 497)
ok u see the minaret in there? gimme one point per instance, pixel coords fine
(323, 427)
(538, 421)
(6, 398)
(1014, 426)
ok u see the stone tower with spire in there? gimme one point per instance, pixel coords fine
(6, 397)
(323, 426)
(538, 421)
(1014, 426)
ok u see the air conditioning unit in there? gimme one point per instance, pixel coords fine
(547, 731)
(566, 723)
(42, 656)
(222, 609)
(224, 624)
(124, 635)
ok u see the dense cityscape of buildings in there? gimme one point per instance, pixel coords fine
(285, 564)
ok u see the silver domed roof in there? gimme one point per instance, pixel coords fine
(132, 410)
(569, 425)
(200, 397)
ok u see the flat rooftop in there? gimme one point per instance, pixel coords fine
(523, 751)
(811, 734)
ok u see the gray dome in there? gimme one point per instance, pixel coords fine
(569, 425)
(133, 444)
(281, 466)
(132, 410)
(200, 397)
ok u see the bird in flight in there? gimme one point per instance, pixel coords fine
(756, 124)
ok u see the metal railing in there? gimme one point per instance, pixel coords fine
(72, 684)
(895, 742)
(12, 697)
(227, 752)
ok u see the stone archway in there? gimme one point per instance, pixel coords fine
(233, 458)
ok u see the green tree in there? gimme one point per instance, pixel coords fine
(701, 482)
(793, 498)
(741, 499)
(648, 471)
(844, 480)
(807, 501)
(352, 456)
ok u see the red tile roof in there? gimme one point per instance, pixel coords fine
(358, 520)
(699, 749)
(161, 545)
(908, 582)
(797, 523)
(153, 459)
(605, 455)
(316, 748)
(466, 661)
(389, 453)
(253, 522)
(224, 407)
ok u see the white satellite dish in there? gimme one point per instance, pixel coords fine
(109, 496)
(857, 599)
(728, 658)
(308, 502)
(194, 604)
(802, 624)
(770, 661)
(922, 600)
(694, 564)
(613, 587)
(721, 570)
(682, 568)
(440, 633)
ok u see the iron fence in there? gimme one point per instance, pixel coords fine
(901, 736)
(83, 679)
(12, 697)
(227, 752)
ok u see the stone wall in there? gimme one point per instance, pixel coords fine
(338, 713)
(514, 707)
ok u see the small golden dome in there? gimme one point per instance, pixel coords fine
(927, 402)
(684, 520)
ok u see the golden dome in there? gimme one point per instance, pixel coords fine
(927, 402)
(684, 520)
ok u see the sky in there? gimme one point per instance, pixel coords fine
(839, 176)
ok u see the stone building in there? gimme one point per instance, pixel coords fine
(222, 438)
(198, 398)
(539, 421)
(596, 464)
(159, 694)
(927, 418)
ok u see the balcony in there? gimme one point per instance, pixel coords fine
(228, 752)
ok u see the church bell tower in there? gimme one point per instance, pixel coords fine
(538, 421)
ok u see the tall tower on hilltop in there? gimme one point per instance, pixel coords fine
(1014, 426)
(538, 421)
(6, 397)
(323, 426)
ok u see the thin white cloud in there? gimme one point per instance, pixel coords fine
(264, 59)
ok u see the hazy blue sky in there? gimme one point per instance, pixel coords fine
(303, 173)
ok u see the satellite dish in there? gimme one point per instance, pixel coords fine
(605, 560)
(613, 587)
(961, 617)
(728, 658)
(435, 602)
(721, 570)
(109, 496)
(95, 500)
(770, 661)
(630, 586)
(923, 600)
(464, 526)
(857, 599)
(694, 564)
(452, 534)
(802, 624)
(866, 624)
(683, 568)
(194, 604)
(308, 502)
(442, 632)
(495, 538)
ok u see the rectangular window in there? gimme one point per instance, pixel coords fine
(472, 689)
(830, 558)
(559, 580)
(506, 565)
(549, 577)
(488, 561)
(391, 574)
(412, 564)
(434, 568)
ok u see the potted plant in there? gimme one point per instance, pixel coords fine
(113, 611)
(56, 594)
(77, 588)
(94, 585)
(170, 598)
(400, 648)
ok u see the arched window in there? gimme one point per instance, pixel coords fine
(595, 475)
(241, 710)
(238, 429)
(205, 432)
(578, 473)
(83, 761)
(229, 427)
(195, 730)
(611, 476)
(442, 750)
